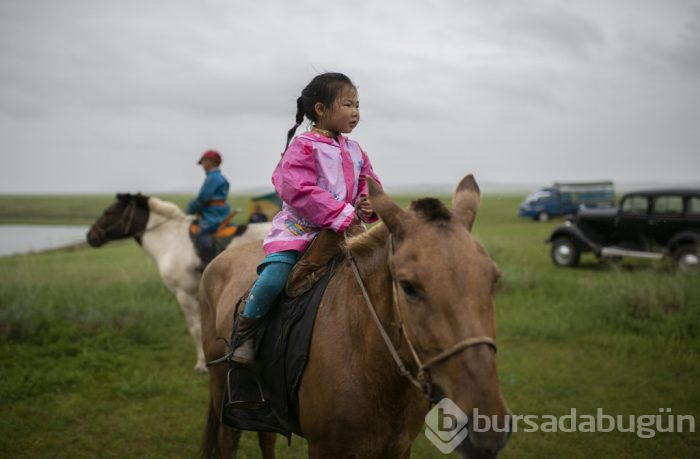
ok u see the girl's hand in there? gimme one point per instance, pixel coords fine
(365, 207)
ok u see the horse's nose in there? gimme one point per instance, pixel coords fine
(487, 444)
(92, 239)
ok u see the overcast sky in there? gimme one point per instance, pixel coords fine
(106, 96)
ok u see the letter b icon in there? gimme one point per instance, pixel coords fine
(446, 422)
(446, 426)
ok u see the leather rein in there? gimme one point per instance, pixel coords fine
(128, 216)
(422, 380)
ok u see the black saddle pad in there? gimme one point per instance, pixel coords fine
(276, 375)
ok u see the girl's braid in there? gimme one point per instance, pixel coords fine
(299, 118)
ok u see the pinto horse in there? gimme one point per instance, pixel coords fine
(162, 229)
(408, 317)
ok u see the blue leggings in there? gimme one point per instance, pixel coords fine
(273, 272)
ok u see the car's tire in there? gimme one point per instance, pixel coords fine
(543, 217)
(687, 258)
(564, 252)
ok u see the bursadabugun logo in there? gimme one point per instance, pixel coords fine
(447, 426)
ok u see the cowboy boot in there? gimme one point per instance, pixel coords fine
(244, 353)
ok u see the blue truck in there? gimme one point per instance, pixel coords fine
(566, 199)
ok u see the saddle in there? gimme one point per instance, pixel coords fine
(222, 237)
(263, 396)
(314, 263)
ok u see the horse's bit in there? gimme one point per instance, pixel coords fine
(422, 380)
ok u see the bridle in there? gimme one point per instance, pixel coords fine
(127, 214)
(422, 380)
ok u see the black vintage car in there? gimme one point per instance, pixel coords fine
(652, 224)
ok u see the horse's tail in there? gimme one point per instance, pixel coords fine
(210, 442)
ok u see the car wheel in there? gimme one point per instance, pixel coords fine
(687, 258)
(564, 252)
(543, 216)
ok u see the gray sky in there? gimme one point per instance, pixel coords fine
(99, 96)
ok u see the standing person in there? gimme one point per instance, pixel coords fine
(321, 180)
(258, 216)
(210, 204)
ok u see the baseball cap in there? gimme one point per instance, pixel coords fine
(210, 154)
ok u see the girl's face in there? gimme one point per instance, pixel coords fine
(343, 115)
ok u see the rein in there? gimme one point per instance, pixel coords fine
(128, 214)
(146, 230)
(422, 380)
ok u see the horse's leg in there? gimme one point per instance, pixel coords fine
(190, 308)
(218, 295)
(228, 441)
(219, 439)
(266, 440)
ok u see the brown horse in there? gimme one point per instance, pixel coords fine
(431, 285)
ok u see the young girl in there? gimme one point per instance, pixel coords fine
(321, 180)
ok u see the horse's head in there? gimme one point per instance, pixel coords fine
(445, 282)
(125, 218)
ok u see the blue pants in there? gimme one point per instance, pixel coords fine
(273, 272)
(205, 247)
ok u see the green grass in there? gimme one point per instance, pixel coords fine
(96, 358)
(81, 209)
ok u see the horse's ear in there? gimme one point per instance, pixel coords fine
(141, 199)
(123, 196)
(465, 201)
(385, 207)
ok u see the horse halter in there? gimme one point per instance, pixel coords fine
(422, 380)
(127, 214)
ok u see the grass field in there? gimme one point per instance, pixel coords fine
(79, 209)
(96, 358)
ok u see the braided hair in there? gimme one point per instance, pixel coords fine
(324, 88)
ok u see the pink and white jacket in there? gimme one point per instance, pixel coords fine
(320, 180)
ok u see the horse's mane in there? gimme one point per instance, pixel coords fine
(165, 209)
(431, 210)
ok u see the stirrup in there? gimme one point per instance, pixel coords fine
(231, 405)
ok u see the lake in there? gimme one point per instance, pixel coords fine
(17, 239)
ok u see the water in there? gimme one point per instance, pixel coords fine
(17, 239)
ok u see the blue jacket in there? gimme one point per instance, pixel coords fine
(215, 188)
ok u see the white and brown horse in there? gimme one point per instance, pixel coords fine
(430, 287)
(162, 229)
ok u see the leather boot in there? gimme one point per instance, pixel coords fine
(313, 264)
(244, 353)
(206, 250)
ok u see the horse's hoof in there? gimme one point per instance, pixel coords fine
(201, 370)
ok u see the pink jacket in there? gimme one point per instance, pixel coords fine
(320, 180)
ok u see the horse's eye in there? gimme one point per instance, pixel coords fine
(409, 289)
